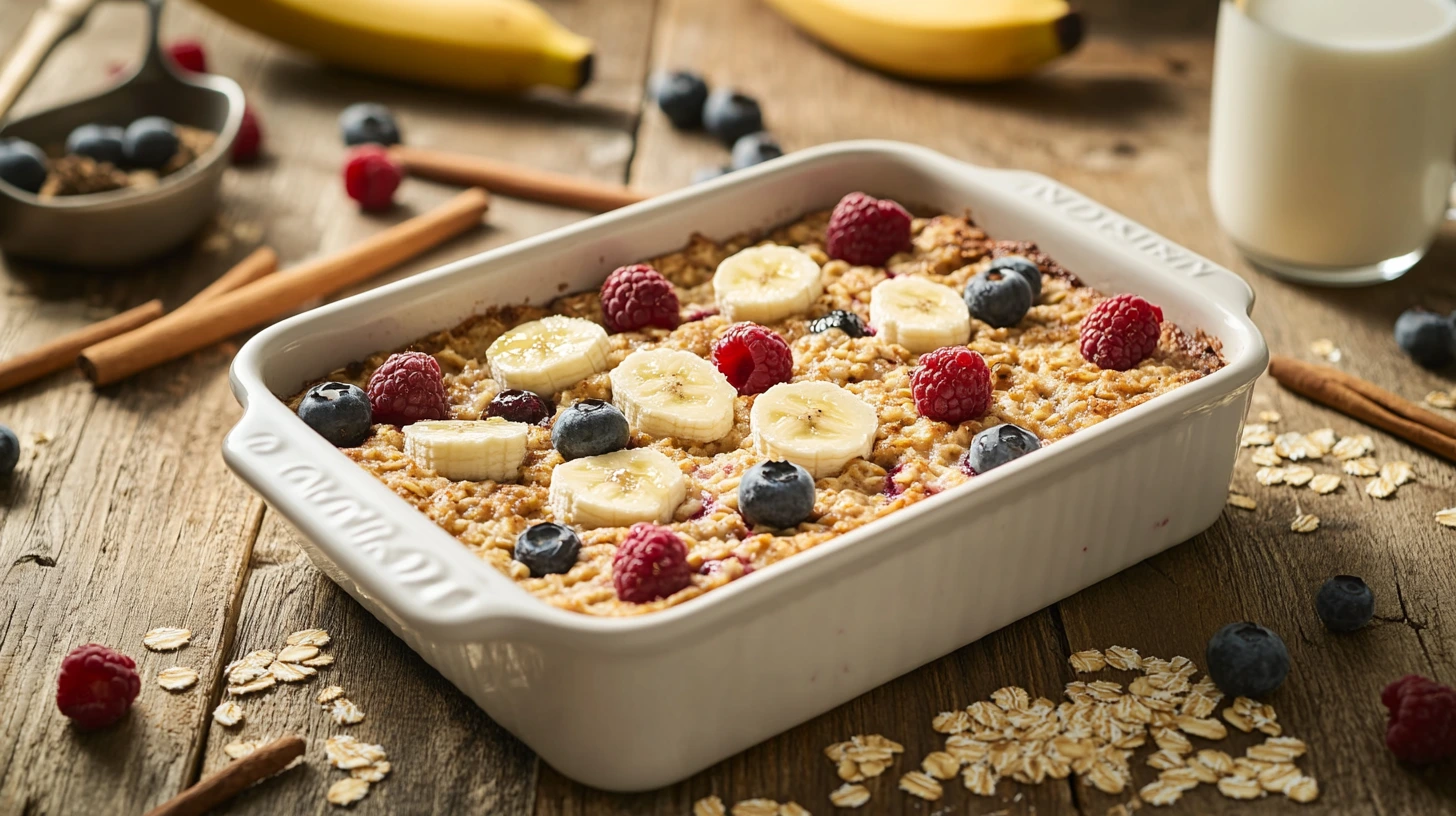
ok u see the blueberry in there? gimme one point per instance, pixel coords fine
(547, 548)
(776, 494)
(22, 164)
(368, 123)
(150, 142)
(1425, 336)
(999, 297)
(1345, 603)
(730, 115)
(998, 445)
(1022, 266)
(1247, 660)
(703, 174)
(589, 428)
(680, 95)
(847, 322)
(9, 451)
(516, 405)
(99, 142)
(755, 148)
(339, 412)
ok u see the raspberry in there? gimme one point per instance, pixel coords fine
(637, 296)
(249, 141)
(753, 358)
(371, 176)
(867, 231)
(1422, 727)
(408, 388)
(96, 686)
(1120, 332)
(651, 563)
(951, 384)
(188, 55)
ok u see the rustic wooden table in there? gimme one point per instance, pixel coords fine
(122, 516)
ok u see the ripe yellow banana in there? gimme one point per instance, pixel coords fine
(946, 40)
(494, 45)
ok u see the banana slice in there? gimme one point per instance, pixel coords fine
(468, 450)
(617, 489)
(919, 315)
(548, 355)
(766, 283)
(816, 425)
(673, 393)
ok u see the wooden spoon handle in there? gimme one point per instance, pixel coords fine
(50, 24)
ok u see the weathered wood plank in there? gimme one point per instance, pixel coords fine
(447, 756)
(124, 521)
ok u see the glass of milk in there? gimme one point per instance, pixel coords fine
(1333, 134)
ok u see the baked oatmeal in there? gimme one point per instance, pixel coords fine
(743, 400)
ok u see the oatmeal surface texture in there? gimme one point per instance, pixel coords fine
(1041, 383)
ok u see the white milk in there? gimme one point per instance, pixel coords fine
(1333, 133)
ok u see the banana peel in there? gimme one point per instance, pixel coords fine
(480, 45)
(942, 40)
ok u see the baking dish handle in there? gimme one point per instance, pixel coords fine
(393, 561)
(1223, 285)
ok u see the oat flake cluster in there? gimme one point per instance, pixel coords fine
(1282, 459)
(298, 661)
(1094, 733)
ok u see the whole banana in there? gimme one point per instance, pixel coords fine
(944, 40)
(490, 45)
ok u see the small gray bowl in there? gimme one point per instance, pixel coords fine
(123, 227)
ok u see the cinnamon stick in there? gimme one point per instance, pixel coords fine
(514, 180)
(1353, 397)
(260, 262)
(61, 352)
(232, 780)
(187, 330)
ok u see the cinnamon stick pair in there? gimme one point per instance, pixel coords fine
(61, 352)
(1368, 403)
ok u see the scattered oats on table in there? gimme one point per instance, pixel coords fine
(318, 662)
(1091, 660)
(1325, 483)
(1299, 475)
(347, 753)
(177, 678)
(1326, 348)
(1160, 793)
(266, 681)
(329, 694)
(345, 712)
(237, 749)
(1269, 476)
(374, 772)
(1441, 399)
(847, 796)
(296, 654)
(1266, 457)
(1256, 436)
(227, 714)
(1380, 488)
(709, 806)
(1364, 466)
(1446, 517)
(290, 672)
(793, 809)
(940, 765)
(308, 637)
(1270, 417)
(1398, 472)
(1322, 440)
(756, 807)
(347, 791)
(1237, 500)
(166, 639)
(1305, 523)
(1353, 447)
(918, 783)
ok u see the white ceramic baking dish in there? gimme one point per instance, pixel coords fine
(637, 703)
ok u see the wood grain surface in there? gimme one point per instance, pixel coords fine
(125, 518)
